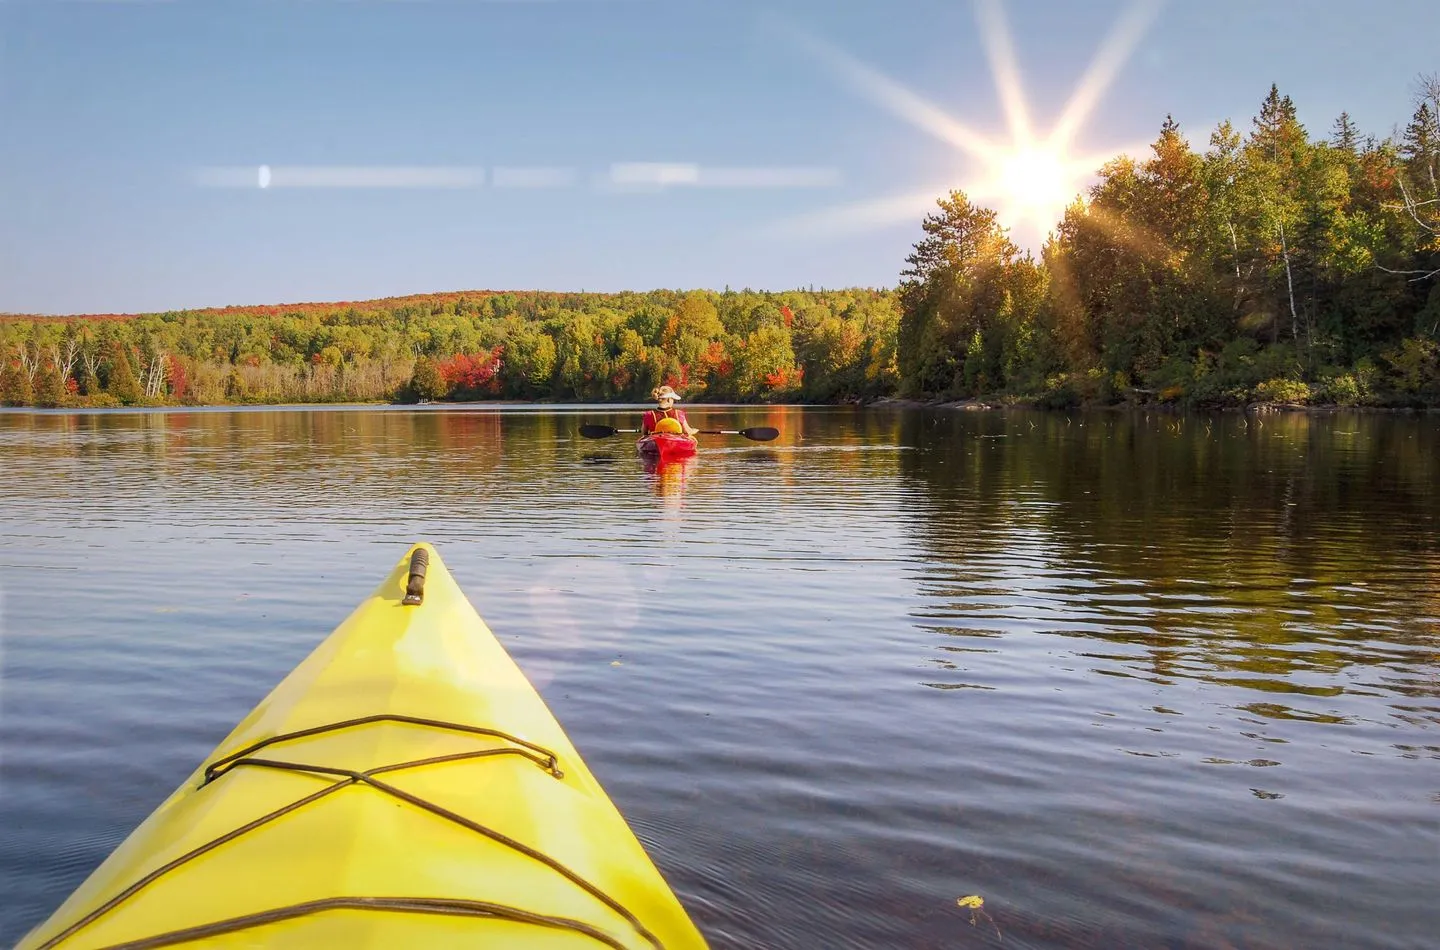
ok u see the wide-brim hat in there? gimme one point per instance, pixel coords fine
(665, 392)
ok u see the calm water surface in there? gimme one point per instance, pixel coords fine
(1137, 681)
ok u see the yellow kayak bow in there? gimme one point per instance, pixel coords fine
(404, 786)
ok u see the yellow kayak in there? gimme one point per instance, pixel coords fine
(404, 786)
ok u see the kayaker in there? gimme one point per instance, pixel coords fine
(665, 398)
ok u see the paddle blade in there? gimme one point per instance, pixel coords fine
(760, 433)
(597, 432)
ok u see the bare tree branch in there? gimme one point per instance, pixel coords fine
(64, 355)
(91, 356)
(1424, 274)
(29, 355)
(1412, 207)
(1427, 90)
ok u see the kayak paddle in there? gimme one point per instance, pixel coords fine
(756, 433)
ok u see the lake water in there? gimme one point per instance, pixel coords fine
(1137, 681)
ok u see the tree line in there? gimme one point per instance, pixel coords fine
(730, 345)
(1273, 266)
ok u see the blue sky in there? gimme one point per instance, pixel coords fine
(122, 120)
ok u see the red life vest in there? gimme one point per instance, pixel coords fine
(652, 416)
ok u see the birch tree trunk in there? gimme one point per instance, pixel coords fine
(29, 361)
(1289, 283)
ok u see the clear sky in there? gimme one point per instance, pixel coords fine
(424, 146)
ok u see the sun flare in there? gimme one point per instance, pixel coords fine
(1032, 184)
(1029, 180)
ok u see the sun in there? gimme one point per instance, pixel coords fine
(1031, 185)
(1029, 180)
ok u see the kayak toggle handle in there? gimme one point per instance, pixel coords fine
(415, 584)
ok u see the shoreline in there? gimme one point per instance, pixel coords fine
(1030, 405)
(1027, 404)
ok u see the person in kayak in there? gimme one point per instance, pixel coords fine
(666, 418)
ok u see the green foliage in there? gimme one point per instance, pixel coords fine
(1061, 394)
(235, 387)
(531, 359)
(120, 378)
(1271, 266)
(969, 303)
(591, 347)
(1415, 367)
(427, 383)
(766, 362)
(15, 388)
(85, 382)
(1280, 390)
(1343, 389)
(49, 389)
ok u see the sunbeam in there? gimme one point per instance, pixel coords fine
(1130, 234)
(996, 38)
(1031, 179)
(1111, 57)
(856, 218)
(899, 100)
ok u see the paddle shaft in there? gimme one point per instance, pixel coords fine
(756, 434)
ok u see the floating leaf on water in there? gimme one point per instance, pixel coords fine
(615, 663)
(972, 900)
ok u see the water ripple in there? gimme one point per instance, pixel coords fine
(1136, 685)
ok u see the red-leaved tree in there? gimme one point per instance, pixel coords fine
(473, 375)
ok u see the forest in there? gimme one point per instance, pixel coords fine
(1273, 266)
(732, 345)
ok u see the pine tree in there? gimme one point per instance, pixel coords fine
(122, 383)
(427, 383)
(1277, 165)
(1345, 136)
(1277, 127)
(956, 282)
(1420, 153)
(14, 384)
(49, 388)
(1420, 147)
(1173, 180)
(85, 382)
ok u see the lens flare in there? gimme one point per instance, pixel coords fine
(1030, 180)
(1033, 185)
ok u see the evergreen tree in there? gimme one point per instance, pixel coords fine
(14, 383)
(49, 388)
(427, 383)
(85, 383)
(1276, 158)
(122, 383)
(1345, 136)
(1277, 129)
(1420, 147)
(962, 277)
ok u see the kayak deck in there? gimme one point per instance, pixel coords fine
(666, 445)
(405, 785)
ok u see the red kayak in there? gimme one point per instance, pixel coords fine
(665, 446)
